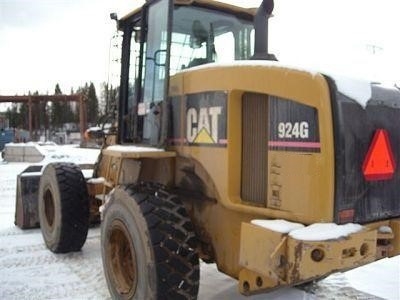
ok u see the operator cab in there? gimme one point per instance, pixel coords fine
(165, 37)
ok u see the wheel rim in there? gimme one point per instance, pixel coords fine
(49, 208)
(121, 258)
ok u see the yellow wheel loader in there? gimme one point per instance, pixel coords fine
(277, 174)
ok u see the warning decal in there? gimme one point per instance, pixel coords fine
(379, 163)
(206, 116)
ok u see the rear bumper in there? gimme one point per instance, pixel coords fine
(271, 259)
(388, 241)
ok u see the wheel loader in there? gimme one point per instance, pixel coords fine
(278, 174)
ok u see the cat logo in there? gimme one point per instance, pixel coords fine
(202, 125)
(206, 119)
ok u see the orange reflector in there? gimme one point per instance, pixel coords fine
(379, 163)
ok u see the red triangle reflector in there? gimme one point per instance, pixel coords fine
(379, 163)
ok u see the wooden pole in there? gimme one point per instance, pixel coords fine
(30, 117)
(82, 117)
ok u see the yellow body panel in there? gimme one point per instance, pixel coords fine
(303, 198)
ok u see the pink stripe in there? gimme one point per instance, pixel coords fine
(294, 144)
(176, 139)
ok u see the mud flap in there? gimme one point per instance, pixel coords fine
(26, 207)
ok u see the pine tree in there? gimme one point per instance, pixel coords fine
(109, 98)
(13, 116)
(57, 110)
(61, 111)
(73, 108)
(23, 116)
(92, 104)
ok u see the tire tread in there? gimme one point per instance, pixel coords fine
(173, 240)
(74, 207)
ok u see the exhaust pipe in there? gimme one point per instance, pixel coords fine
(264, 12)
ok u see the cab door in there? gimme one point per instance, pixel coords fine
(145, 75)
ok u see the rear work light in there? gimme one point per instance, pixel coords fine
(379, 163)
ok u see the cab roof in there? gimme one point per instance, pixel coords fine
(247, 13)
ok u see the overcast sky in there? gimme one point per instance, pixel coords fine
(44, 42)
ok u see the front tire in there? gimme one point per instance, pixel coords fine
(147, 244)
(63, 207)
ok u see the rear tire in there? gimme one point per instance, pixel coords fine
(63, 207)
(148, 245)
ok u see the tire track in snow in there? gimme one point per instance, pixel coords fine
(21, 249)
(37, 255)
(41, 274)
(15, 231)
(66, 290)
(89, 268)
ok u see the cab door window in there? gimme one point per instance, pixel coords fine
(155, 72)
(156, 52)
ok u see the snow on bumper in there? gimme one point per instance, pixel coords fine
(272, 258)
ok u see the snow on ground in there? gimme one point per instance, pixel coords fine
(70, 153)
(29, 271)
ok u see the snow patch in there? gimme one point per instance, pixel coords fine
(96, 128)
(50, 152)
(385, 229)
(97, 180)
(281, 226)
(314, 232)
(357, 89)
(31, 144)
(87, 173)
(324, 231)
(69, 153)
(30, 174)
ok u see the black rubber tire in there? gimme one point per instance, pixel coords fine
(148, 245)
(63, 207)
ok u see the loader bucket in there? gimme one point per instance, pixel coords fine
(26, 207)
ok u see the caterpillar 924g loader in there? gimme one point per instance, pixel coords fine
(277, 174)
